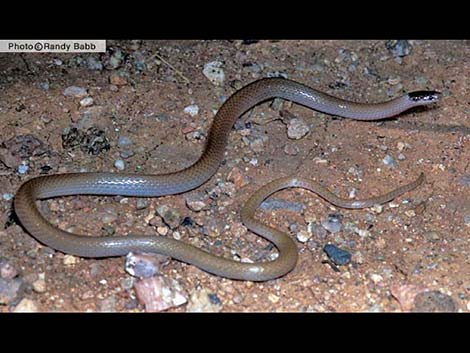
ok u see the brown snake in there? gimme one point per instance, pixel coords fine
(189, 178)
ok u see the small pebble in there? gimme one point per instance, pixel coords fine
(159, 293)
(401, 157)
(192, 110)
(433, 302)
(389, 161)
(291, 150)
(399, 48)
(141, 204)
(466, 219)
(464, 180)
(26, 306)
(7, 270)
(202, 300)
(124, 141)
(337, 255)
(297, 128)
(44, 85)
(196, 201)
(23, 168)
(332, 223)
(69, 260)
(108, 215)
(117, 80)
(303, 236)
(214, 72)
(145, 265)
(377, 208)
(376, 278)
(432, 236)
(94, 64)
(317, 230)
(116, 58)
(237, 178)
(9, 290)
(7, 196)
(86, 102)
(119, 164)
(108, 305)
(162, 230)
(170, 216)
(74, 91)
(39, 285)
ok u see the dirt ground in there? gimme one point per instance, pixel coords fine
(140, 93)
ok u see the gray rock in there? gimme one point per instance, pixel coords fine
(141, 204)
(9, 290)
(94, 64)
(464, 180)
(75, 91)
(170, 216)
(119, 164)
(297, 128)
(337, 255)
(332, 223)
(196, 201)
(7, 270)
(317, 230)
(434, 301)
(7, 196)
(399, 48)
(108, 305)
(389, 161)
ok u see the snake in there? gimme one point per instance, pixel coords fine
(189, 178)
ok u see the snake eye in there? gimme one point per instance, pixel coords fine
(425, 96)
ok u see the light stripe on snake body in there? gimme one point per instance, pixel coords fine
(189, 178)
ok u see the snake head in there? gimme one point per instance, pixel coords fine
(424, 97)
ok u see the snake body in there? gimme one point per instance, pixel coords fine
(43, 187)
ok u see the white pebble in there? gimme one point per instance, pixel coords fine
(376, 278)
(192, 110)
(23, 168)
(7, 196)
(214, 72)
(119, 164)
(70, 260)
(86, 102)
(303, 236)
